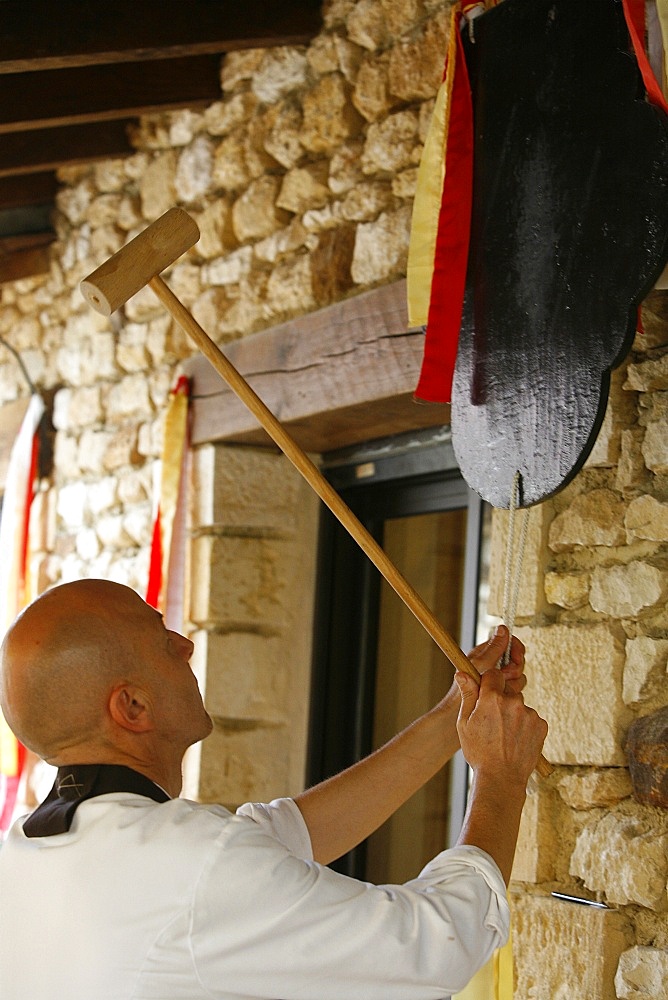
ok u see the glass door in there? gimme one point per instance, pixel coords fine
(375, 667)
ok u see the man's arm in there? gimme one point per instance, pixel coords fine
(501, 740)
(343, 810)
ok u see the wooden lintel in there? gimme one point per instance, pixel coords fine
(35, 36)
(95, 93)
(337, 377)
(47, 149)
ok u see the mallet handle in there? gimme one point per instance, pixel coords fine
(317, 481)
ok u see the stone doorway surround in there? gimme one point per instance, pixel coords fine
(334, 378)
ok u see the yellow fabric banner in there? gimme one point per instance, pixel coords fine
(495, 981)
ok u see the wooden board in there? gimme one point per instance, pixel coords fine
(334, 378)
(569, 231)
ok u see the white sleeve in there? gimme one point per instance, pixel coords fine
(283, 820)
(265, 922)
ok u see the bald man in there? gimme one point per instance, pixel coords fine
(115, 887)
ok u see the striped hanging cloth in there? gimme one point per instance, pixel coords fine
(166, 584)
(16, 588)
(440, 230)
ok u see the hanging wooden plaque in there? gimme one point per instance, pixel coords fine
(569, 233)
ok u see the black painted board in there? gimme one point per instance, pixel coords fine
(569, 233)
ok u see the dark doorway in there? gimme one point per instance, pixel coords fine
(375, 668)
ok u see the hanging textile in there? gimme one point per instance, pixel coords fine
(15, 585)
(441, 226)
(439, 241)
(166, 584)
(495, 981)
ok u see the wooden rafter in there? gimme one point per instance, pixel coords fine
(39, 35)
(100, 93)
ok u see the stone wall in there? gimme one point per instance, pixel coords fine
(301, 178)
(592, 606)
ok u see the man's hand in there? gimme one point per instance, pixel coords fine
(501, 739)
(499, 735)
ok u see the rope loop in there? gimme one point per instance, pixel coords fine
(513, 574)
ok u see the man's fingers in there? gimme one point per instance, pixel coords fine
(469, 692)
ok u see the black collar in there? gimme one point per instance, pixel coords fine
(77, 782)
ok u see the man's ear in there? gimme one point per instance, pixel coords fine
(130, 708)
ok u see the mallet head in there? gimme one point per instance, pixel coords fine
(124, 274)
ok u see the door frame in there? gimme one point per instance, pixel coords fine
(396, 477)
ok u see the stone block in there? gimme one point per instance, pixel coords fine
(128, 398)
(223, 117)
(157, 185)
(370, 94)
(131, 352)
(290, 287)
(401, 15)
(192, 179)
(367, 25)
(93, 446)
(103, 495)
(647, 749)
(238, 67)
(240, 582)
(215, 226)
(331, 262)
(381, 248)
(230, 169)
(111, 531)
(366, 201)
(209, 308)
(632, 473)
(650, 375)
(642, 974)
(345, 172)
(542, 836)
(242, 763)
(390, 144)
(575, 682)
(71, 505)
(624, 855)
(655, 446)
(228, 270)
(245, 675)
(531, 598)
(592, 789)
(282, 142)
(620, 414)
(122, 449)
(237, 487)
(322, 56)
(330, 118)
(593, 518)
(255, 213)
(564, 950)
(645, 669)
(567, 590)
(416, 64)
(138, 524)
(627, 591)
(304, 188)
(647, 517)
(281, 71)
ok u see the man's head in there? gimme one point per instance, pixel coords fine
(89, 673)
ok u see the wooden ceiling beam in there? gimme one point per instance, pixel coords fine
(102, 93)
(27, 189)
(48, 149)
(25, 256)
(41, 36)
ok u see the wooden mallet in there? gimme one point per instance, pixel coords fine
(139, 263)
